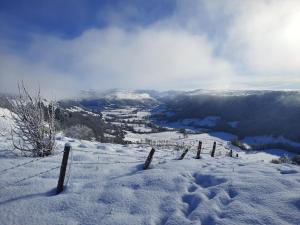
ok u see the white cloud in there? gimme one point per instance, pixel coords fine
(259, 38)
(144, 58)
(264, 36)
(205, 44)
(53, 84)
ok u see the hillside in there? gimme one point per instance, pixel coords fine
(98, 101)
(259, 119)
(106, 183)
(243, 113)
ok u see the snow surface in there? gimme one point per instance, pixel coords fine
(129, 116)
(5, 121)
(262, 140)
(176, 136)
(189, 123)
(106, 184)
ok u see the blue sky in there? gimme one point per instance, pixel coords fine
(69, 18)
(154, 44)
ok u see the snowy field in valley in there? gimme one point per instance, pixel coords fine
(106, 184)
(129, 116)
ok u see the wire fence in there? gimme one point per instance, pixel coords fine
(32, 176)
(20, 165)
(165, 148)
(2, 172)
(107, 163)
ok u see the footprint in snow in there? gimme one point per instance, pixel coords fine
(232, 192)
(290, 171)
(192, 188)
(211, 194)
(193, 201)
(206, 181)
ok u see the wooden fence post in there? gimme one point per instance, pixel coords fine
(64, 163)
(213, 150)
(199, 150)
(149, 159)
(183, 154)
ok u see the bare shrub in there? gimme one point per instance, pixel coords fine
(33, 133)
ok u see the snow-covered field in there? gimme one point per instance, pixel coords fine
(129, 116)
(106, 184)
(264, 140)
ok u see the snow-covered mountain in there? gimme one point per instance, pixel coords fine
(115, 98)
(128, 95)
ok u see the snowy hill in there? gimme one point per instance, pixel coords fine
(244, 113)
(107, 185)
(98, 101)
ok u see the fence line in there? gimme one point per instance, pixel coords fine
(98, 152)
(164, 148)
(104, 163)
(175, 144)
(18, 165)
(26, 163)
(30, 177)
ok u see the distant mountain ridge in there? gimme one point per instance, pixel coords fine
(243, 113)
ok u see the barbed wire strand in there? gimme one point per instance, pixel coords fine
(27, 163)
(99, 152)
(105, 163)
(27, 178)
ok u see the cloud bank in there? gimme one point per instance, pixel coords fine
(214, 44)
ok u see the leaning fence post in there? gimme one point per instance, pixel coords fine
(199, 150)
(183, 154)
(213, 150)
(64, 163)
(149, 159)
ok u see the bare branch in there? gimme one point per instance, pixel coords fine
(34, 129)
